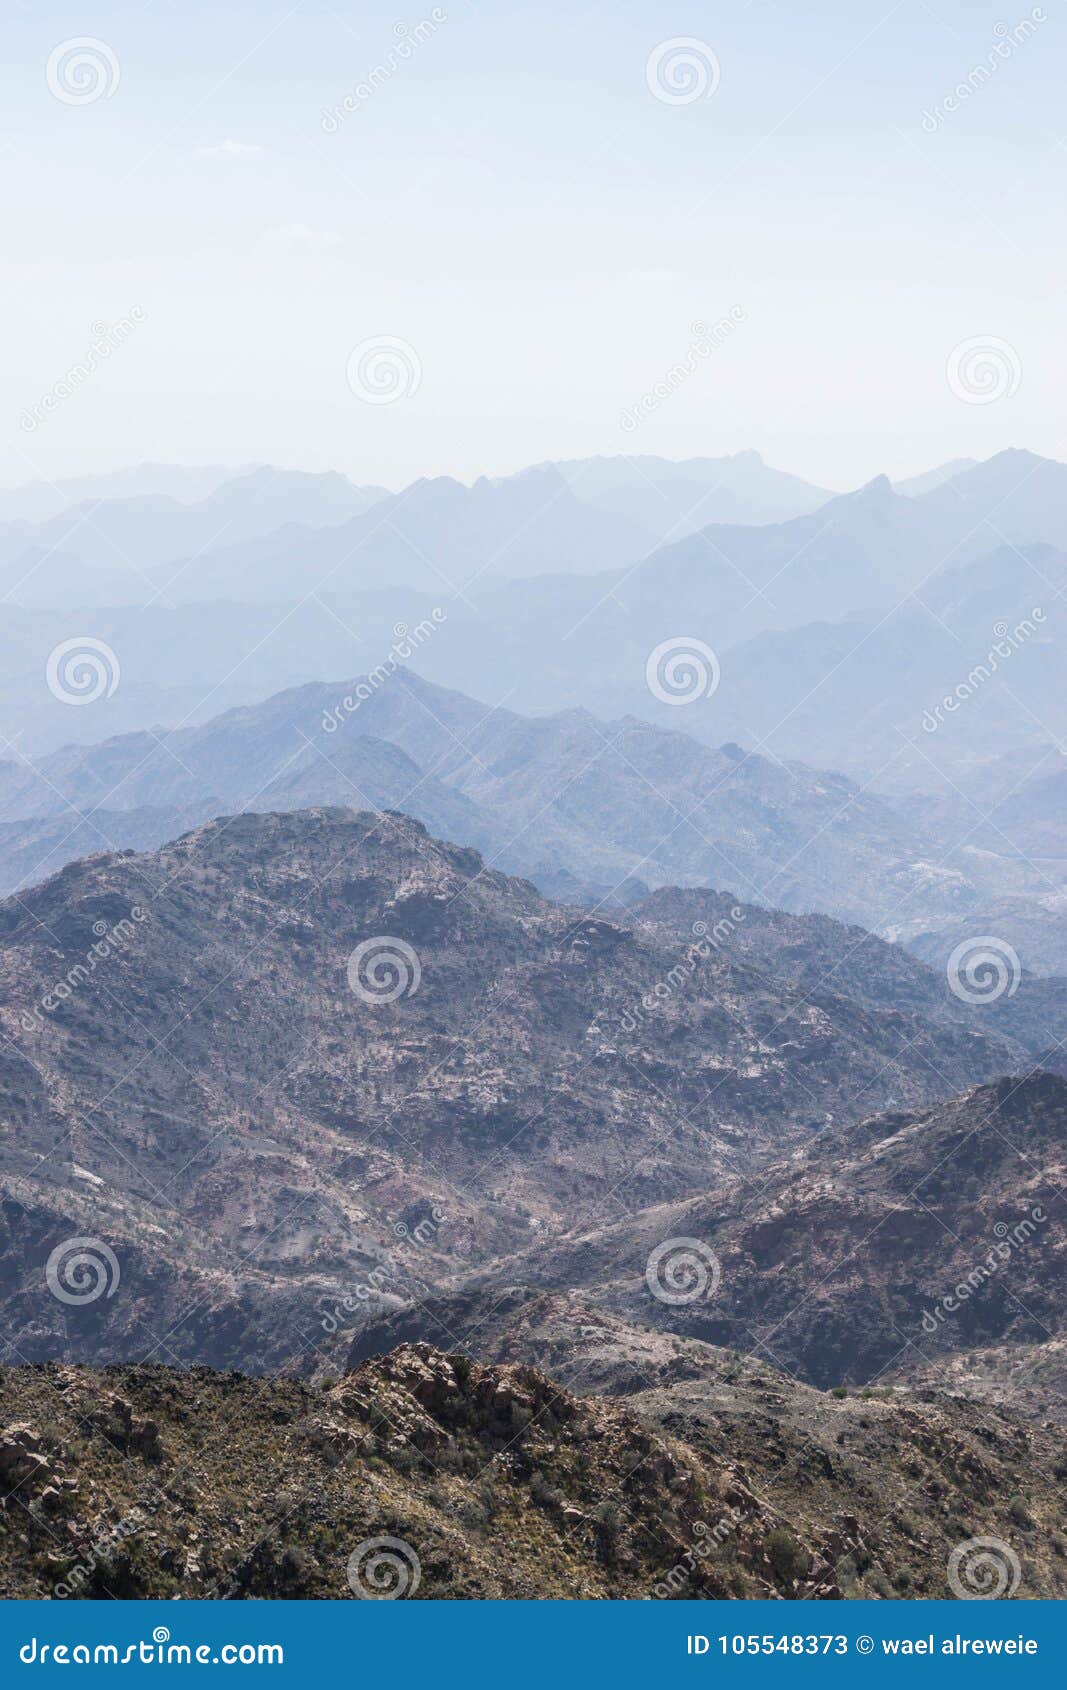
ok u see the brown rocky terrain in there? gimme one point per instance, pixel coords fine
(817, 953)
(1031, 1379)
(903, 1238)
(188, 1075)
(492, 1481)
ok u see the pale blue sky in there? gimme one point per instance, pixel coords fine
(514, 203)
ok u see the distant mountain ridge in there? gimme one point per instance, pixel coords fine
(589, 810)
(143, 531)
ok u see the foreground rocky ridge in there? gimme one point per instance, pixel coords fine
(492, 1481)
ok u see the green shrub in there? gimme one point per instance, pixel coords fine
(786, 1556)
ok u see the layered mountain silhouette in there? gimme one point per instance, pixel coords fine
(142, 530)
(568, 1113)
(592, 811)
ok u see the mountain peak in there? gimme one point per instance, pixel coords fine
(878, 490)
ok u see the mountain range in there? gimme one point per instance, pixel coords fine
(620, 1147)
(593, 812)
(225, 1099)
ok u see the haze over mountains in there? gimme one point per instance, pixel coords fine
(591, 811)
(839, 630)
(429, 1008)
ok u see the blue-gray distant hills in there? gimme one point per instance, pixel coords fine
(591, 810)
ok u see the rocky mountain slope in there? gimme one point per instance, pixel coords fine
(813, 951)
(898, 1240)
(492, 1481)
(292, 1054)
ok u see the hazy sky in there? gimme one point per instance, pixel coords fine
(513, 202)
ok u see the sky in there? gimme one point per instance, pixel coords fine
(503, 196)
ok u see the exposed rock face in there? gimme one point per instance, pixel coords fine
(492, 1481)
(269, 1149)
(899, 1239)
